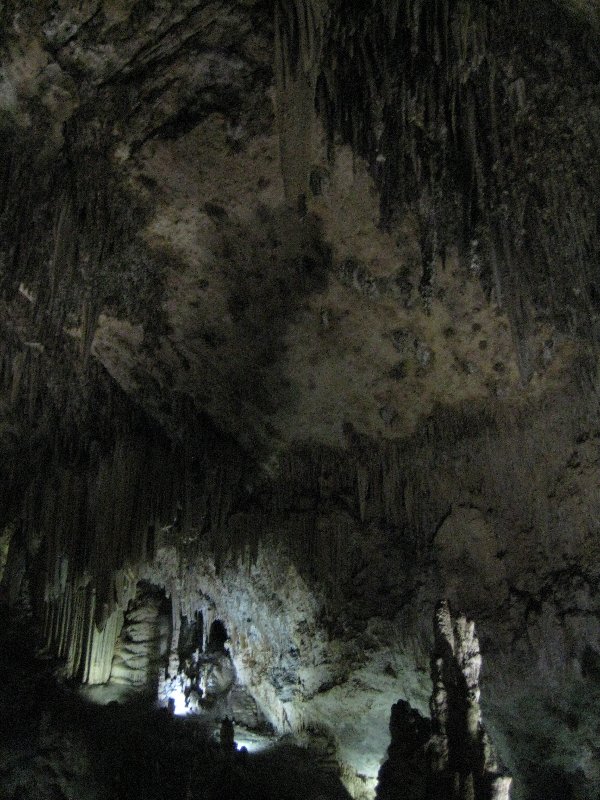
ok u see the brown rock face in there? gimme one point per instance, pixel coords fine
(299, 314)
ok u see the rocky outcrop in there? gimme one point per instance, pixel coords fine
(462, 760)
(448, 756)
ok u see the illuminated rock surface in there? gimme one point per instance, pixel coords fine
(299, 313)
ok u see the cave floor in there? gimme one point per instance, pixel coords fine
(56, 745)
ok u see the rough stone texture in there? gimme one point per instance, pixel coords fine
(310, 342)
(145, 140)
(140, 650)
(462, 760)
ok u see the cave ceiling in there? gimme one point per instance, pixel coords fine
(185, 219)
(353, 243)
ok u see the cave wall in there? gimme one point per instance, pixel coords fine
(367, 540)
(309, 344)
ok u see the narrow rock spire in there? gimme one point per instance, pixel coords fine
(462, 760)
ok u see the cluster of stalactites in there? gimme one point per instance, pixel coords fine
(69, 250)
(69, 215)
(299, 27)
(299, 32)
(463, 126)
(462, 760)
(85, 532)
(72, 633)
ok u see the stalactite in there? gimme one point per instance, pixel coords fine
(298, 40)
(362, 482)
(462, 111)
(83, 527)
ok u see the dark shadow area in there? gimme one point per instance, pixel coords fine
(270, 267)
(404, 775)
(217, 637)
(545, 782)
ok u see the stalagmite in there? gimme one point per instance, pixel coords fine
(138, 655)
(462, 760)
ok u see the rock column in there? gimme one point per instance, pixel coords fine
(462, 761)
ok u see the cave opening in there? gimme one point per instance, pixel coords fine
(217, 637)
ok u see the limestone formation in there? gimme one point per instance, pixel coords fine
(462, 760)
(299, 322)
(140, 650)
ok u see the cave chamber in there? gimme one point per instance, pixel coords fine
(299, 419)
